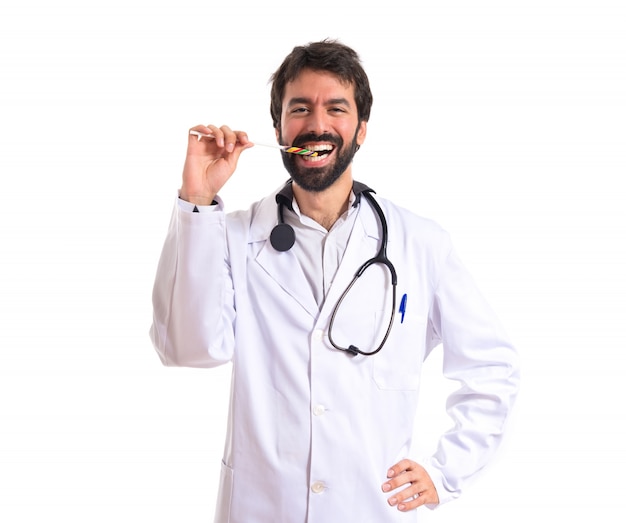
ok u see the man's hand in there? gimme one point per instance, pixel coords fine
(419, 490)
(210, 162)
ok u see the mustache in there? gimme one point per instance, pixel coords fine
(312, 137)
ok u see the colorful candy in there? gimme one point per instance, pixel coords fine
(300, 150)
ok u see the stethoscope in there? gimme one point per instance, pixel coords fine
(283, 238)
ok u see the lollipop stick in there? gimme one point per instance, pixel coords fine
(286, 148)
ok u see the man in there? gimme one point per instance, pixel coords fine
(326, 366)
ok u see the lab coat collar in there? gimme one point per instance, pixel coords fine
(285, 195)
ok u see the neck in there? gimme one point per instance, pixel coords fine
(327, 206)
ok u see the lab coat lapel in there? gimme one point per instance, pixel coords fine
(283, 267)
(363, 245)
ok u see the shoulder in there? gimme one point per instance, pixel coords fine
(256, 221)
(409, 224)
(415, 238)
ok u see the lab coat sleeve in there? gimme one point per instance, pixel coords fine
(192, 296)
(479, 356)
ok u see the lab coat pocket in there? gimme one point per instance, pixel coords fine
(398, 365)
(225, 495)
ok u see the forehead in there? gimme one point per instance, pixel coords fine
(318, 86)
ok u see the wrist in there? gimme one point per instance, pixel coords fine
(195, 199)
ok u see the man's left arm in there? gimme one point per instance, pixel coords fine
(478, 354)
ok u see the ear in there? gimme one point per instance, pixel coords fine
(277, 131)
(360, 136)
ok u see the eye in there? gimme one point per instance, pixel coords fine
(297, 110)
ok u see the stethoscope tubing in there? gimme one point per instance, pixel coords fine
(282, 239)
(381, 257)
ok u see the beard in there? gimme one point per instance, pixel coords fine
(317, 179)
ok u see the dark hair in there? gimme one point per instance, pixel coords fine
(327, 55)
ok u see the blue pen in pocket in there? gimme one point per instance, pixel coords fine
(402, 308)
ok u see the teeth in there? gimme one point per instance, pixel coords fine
(314, 158)
(322, 150)
(319, 147)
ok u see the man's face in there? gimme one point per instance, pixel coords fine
(319, 113)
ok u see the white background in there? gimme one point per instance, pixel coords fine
(504, 121)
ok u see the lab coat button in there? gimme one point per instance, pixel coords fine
(318, 334)
(319, 410)
(318, 487)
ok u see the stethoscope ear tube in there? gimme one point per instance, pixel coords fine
(381, 257)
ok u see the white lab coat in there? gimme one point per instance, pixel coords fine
(312, 431)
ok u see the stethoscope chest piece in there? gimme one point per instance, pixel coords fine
(283, 237)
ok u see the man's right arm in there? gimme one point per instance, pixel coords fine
(192, 296)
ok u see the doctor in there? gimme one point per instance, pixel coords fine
(325, 382)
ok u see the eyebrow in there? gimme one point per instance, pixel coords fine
(333, 101)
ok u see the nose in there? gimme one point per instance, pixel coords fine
(317, 122)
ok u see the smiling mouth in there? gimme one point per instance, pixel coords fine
(322, 150)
